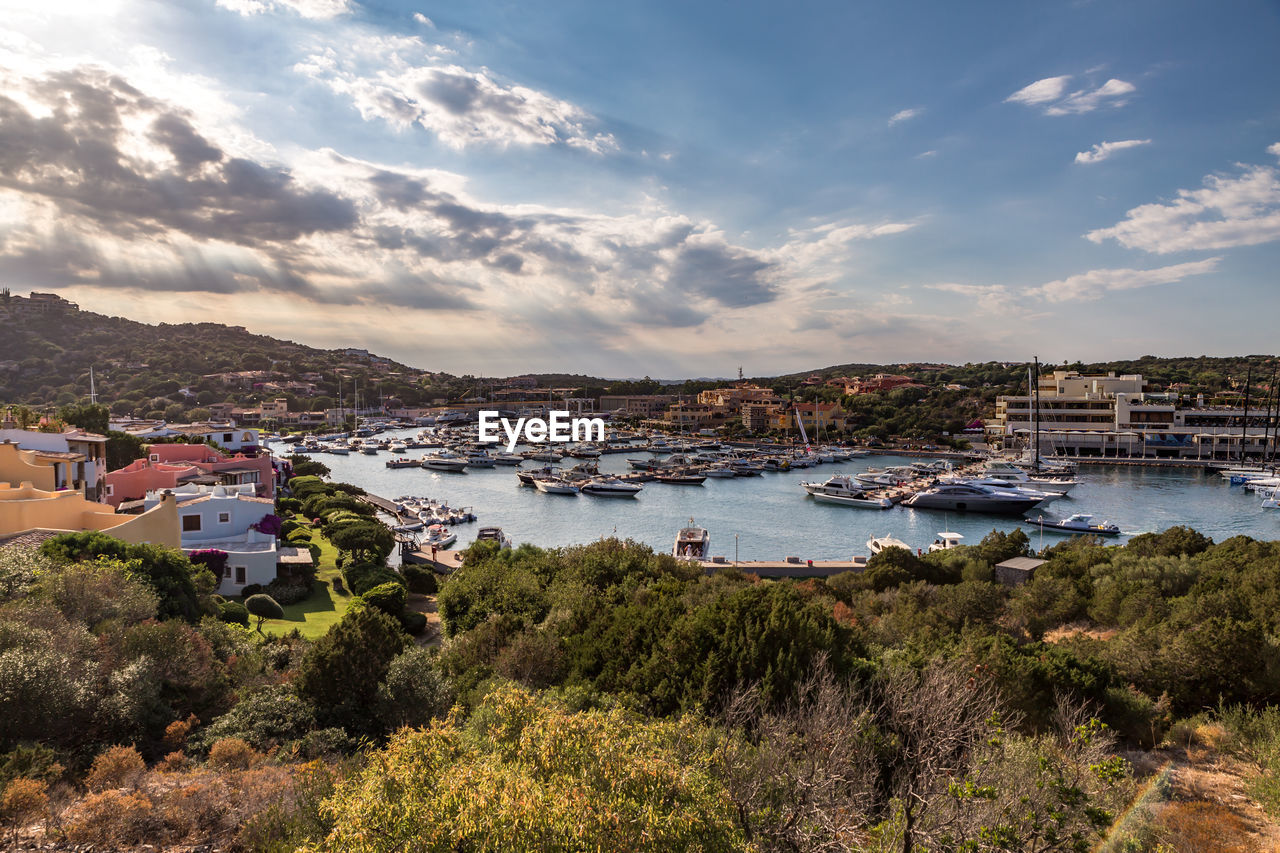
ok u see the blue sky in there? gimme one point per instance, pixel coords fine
(659, 188)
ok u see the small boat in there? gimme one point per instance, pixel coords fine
(369, 449)
(507, 459)
(839, 489)
(479, 459)
(1078, 523)
(720, 472)
(692, 543)
(546, 456)
(439, 536)
(409, 526)
(493, 534)
(403, 462)
(681, 479)
(611, 487)
(555, 486)
(397, 447)
(880, 543)
(945, 541)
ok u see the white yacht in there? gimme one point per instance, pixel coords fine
(692, 543)
(879, 543)
(968, 497)
(493, 534)
(611, 487)
(946, 541)
(720, 472)
(479, 459)
(445, 461)
(1079, 523)
(839, 489)
(505, 458)
(439, 536)
(1056, 483)
(555, 486)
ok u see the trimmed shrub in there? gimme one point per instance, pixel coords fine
(387, 597)
(413, 622)
(285, 592)
(362, 577)
(420, 580)
(264, 607)
(288, 505)
(251, 589)
(234, 613)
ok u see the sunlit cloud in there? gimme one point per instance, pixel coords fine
(1103, 150)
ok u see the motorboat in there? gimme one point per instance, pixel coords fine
(610, 487)
(547, 456)
(555, 486)
(1031, 490)
(493, 534)
(1045, 482)
(445, 461)
(529, 477)
(692, 543)
(1078, 523)
(404, 462)
(946, 541)
(397, 447)
(439, 536)
(409, 526)
(839, 489)
(505, 458)
(969, 497)
(479, 459)
(680, 479)
(880, 543)
(720, 472)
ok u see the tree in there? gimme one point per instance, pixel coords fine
(367, 541)
(264, 607)
(91, 417)
(122, 449)
(387, 597)
(340, 674)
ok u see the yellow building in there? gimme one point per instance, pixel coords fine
(815, 416)
(35, 505)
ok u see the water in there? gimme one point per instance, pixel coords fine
(772, 517)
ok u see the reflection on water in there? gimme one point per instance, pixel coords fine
(772, 517)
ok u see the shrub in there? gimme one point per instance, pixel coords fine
(111, 818)
(289, 527)
(115, 767)
(264, 607)
(251, 589)
(24, 799)
(33, 761)
(342, 669)
(177, 732)
(232, 753)
(420, 580)
(362, 577)
(234, 613)
(387, 597)
(413, 622)
(286, 592)
(288, 505)
(264, 718)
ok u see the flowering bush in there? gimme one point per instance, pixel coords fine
(212, 559)
(270, 524)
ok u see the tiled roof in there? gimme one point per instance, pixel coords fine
(29, 538)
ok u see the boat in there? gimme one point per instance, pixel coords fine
(611, 487)
(369, 449)
(479, 459)
(397, 447)
(880, 543)
(547, 456)
(720, 472)
(505, 458)
(1078, 523)
(439, 536)
(493, 534)
(555, 486)
(839, 489)
(946, 541)
(969, 497)
(445, 461)
(403, 462)
(692, 543)
(1058, 484)
(409, 526)
(680, 479)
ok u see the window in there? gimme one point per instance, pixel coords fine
(111, 490)
(224, 518)
(191, 524)
(227, 438)
(239, 574)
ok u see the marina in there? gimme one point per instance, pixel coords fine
(766, 518)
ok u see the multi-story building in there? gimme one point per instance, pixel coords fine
(36, 303)
(79, 458)
(734, 397)
(1116, 416)
(639, 405)
(756, 417)
(168, 466)
(816, 417)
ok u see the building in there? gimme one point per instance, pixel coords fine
(734, 397)
(169, 466)
(1115, 416)
(32, 504)
(1018, 570)
(222, 518)
(816, 417)
(638, 405)
(79, 458)
(224, 434)
(687, 416)
(36, 303)
(880, 382)
(756, 417)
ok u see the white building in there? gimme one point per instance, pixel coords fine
(79, 458)
(224, 434)
(221, 518)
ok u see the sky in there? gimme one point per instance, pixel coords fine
(661, 188)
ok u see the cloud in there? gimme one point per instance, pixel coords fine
(1093, 284)
(1103, 150)
(1040, 92)
(903, 115)
(424, 20)
(1052, 94)
(1229, 211)
(989, 298)
(404, 81)
(316, 9)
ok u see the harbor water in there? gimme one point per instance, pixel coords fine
(770, 517)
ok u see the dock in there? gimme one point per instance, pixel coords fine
(444, 562)
(795, 568)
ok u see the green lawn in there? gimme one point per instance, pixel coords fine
(325, 606)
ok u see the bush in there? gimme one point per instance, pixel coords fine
(33, 761)
(266, 718)
(23, 800)
(232, 753)
(111, 818)
(251, 589)
(234, 612)
(420, 580)
(288, 505)
(285, 592)
(413, 622)
(264, 607)
(387, 597)
(362, 577)
(115, 767)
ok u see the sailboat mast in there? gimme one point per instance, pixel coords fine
(1268, 434)
(1034, 378)
(1244, 421)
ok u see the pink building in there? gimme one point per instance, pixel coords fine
(169, 465)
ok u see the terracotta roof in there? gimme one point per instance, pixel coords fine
(59, 454)
(28, 538)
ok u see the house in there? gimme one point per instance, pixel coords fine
(31, 502)
(168, 466)
(79, 458)
(222, 518)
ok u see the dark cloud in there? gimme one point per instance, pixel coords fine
(732, 277)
